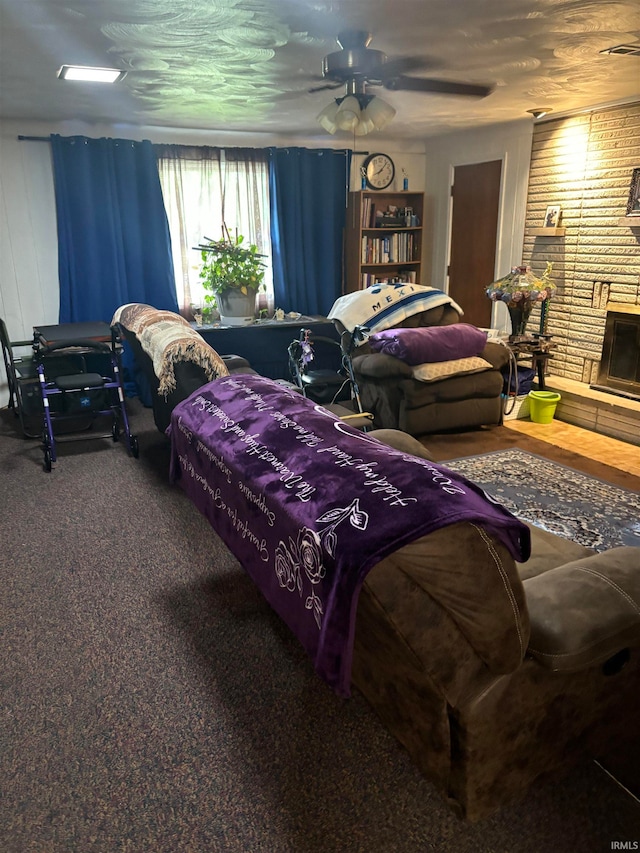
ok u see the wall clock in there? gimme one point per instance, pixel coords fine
(379, 171)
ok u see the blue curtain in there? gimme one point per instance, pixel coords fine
(113, 235)
(308, 191)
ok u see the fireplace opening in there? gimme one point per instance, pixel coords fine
(619, 371)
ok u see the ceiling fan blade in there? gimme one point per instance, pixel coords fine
(395, 67)
(286, 96)
(325, 86)
(445, 87)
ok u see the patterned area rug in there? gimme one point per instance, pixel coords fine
(556, 498)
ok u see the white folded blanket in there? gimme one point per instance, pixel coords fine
(383, 306)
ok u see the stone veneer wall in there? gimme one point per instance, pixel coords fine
(584, 164)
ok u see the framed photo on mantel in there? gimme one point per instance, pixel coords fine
(633, 205)
(552, 216)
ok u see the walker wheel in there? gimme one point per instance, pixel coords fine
(47, 459)
(133, 443)
(115, 432)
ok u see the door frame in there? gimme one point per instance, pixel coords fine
(500, 241)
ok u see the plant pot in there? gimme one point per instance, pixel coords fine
(237, 309)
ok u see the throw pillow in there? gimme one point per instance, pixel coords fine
(457, 367)
(431, 343)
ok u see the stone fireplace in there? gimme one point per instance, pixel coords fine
(619, 370)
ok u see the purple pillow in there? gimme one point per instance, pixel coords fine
(430, 343)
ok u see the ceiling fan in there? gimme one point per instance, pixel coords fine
(357, 66)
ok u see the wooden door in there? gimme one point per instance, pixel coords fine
(474, 230)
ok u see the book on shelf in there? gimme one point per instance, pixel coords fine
(397, 248)
(368, 213)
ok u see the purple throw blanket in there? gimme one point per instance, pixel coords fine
(309, 504)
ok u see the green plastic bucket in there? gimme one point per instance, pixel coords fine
(542, 406)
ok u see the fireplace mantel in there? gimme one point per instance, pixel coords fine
(623, 308)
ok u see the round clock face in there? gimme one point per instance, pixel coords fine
(379, 171)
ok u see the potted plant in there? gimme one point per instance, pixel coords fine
(231, 275)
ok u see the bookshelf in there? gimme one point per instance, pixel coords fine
(381, 247)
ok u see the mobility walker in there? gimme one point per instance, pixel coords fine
(85, 394)
(321, 368)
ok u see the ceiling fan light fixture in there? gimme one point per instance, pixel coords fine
(348, 114)
(327, 118)
(360, 113)
(364, 126)
(379, 112)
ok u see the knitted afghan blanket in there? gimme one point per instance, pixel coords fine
(168, 339)
(136, 316)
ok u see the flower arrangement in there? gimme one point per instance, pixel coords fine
(521, 289)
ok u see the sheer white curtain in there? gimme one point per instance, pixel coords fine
(204, 187)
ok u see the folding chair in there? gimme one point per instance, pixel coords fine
(22, 381)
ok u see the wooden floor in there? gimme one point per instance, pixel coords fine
(601, 448)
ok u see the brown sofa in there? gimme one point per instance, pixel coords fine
(494, 674)
(398, 401)
(491, 674)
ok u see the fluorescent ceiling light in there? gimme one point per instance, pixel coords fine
(93, 75)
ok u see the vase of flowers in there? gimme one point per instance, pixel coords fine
(232, 274)
(520, 290)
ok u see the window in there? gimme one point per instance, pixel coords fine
(203, 188)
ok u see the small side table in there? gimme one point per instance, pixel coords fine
(538, 349)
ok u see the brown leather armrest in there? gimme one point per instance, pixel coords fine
(496, 354)
(380, 366)
(586, 611)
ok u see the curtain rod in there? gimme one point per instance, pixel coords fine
(47, 139)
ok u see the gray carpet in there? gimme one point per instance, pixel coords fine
(153, 702)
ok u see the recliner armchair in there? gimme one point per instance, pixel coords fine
(397, 400)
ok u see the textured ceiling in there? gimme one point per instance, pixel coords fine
(245, 65)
